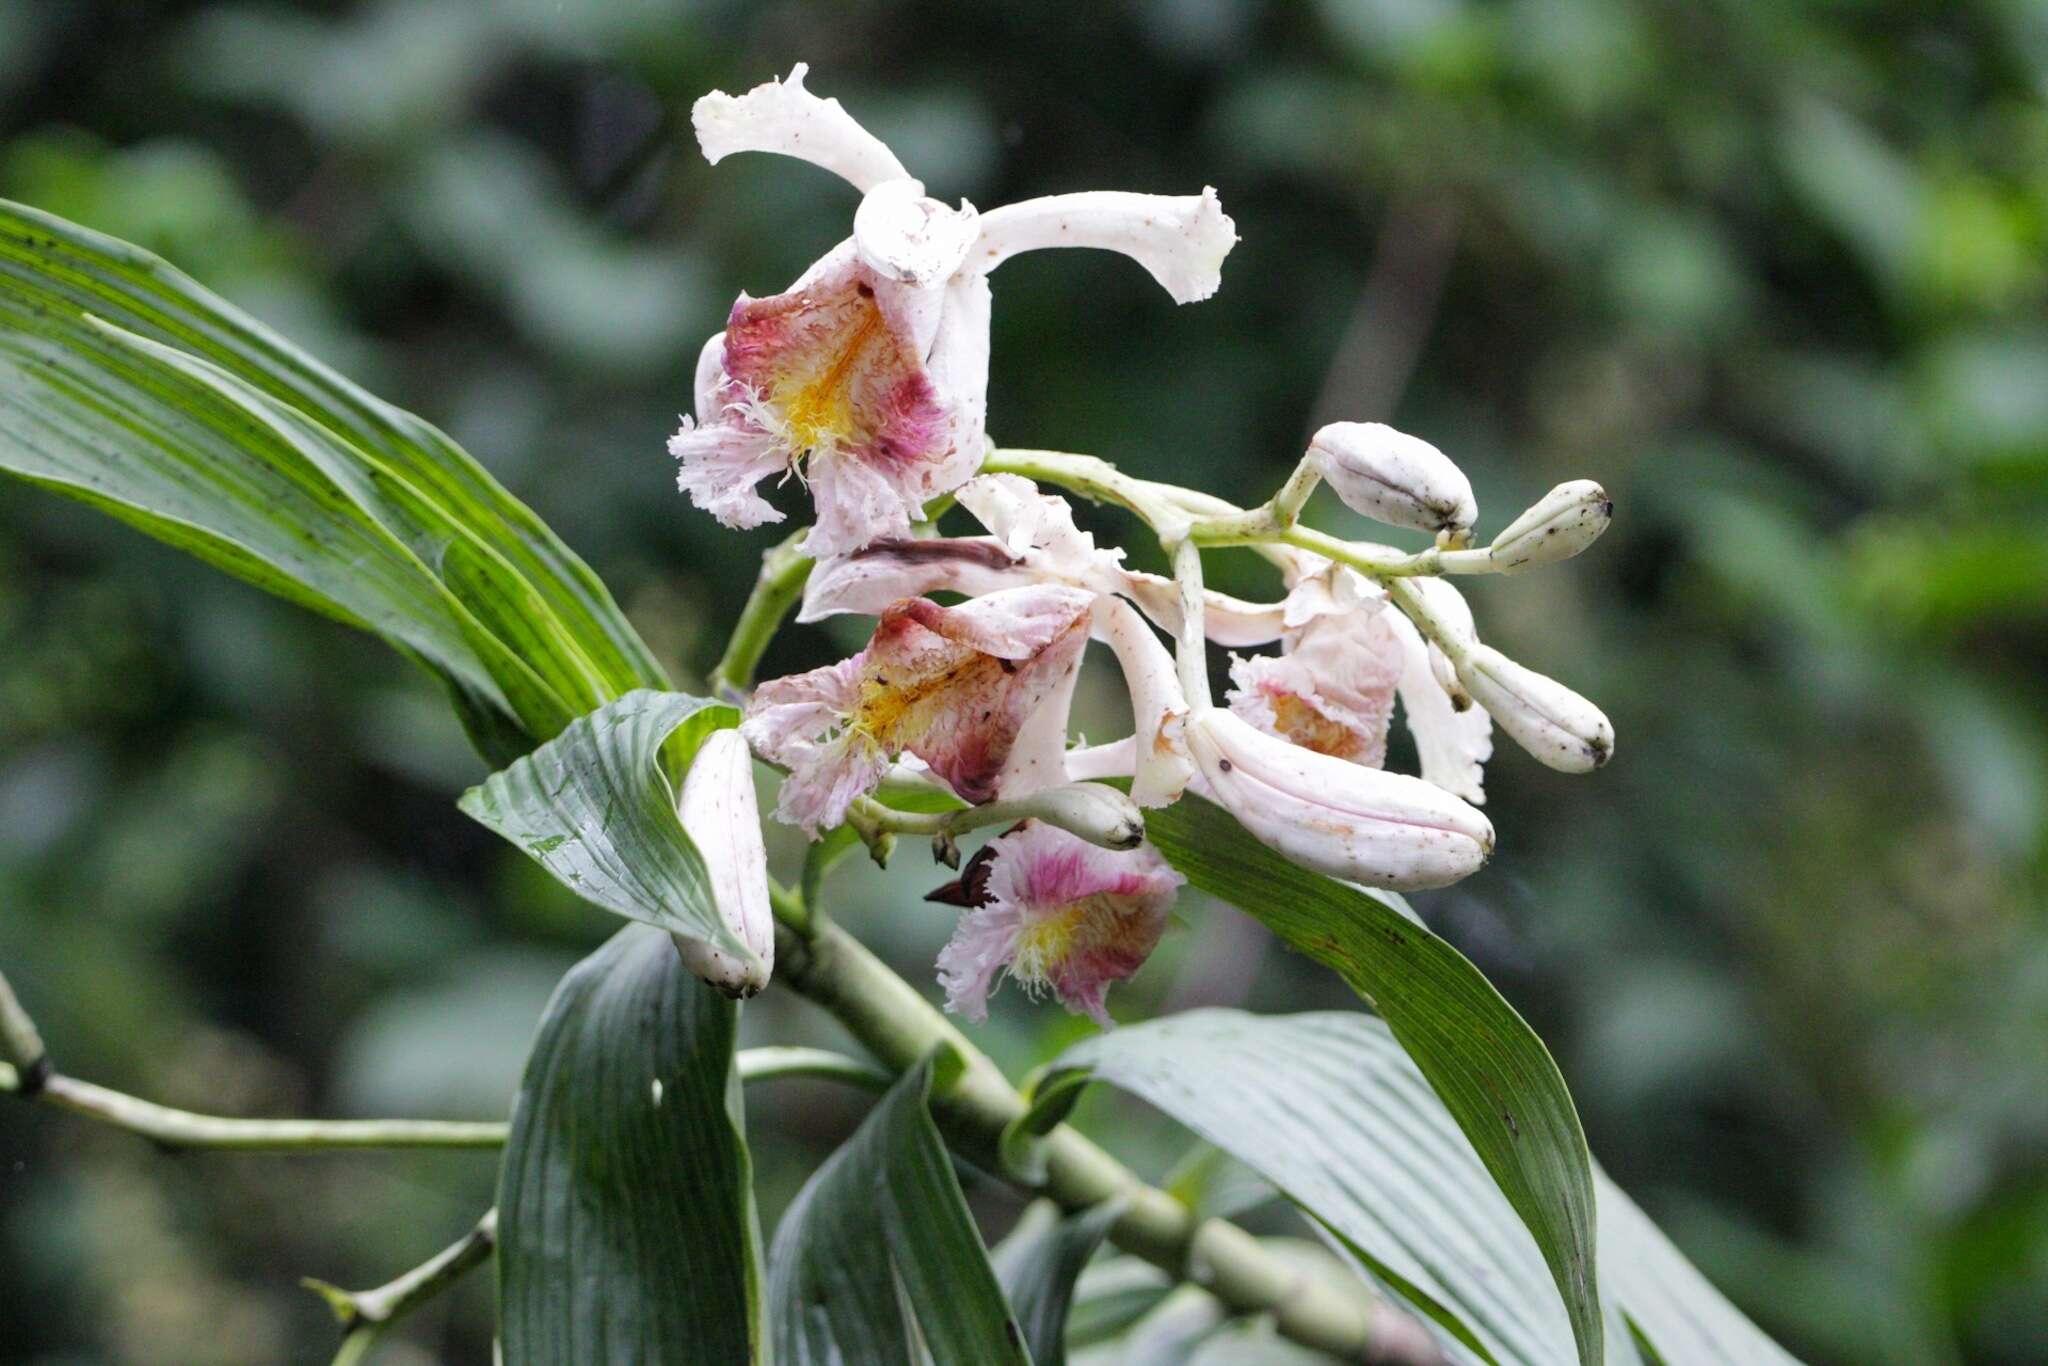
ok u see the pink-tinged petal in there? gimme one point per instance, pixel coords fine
(721, 462)
(1056, 912)
(869, 579)
(905, 236)
(833, 369)
(1181, 240)
(955, 686)
(1452, 745)
(782, 116)
(800, 722)
(1158, 706)
(1333, 692)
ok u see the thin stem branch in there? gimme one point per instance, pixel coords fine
(1191, 652)
(365, 1314)
(781, 582)
(183, 1129)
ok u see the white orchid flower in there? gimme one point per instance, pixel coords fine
(871, 371)
(1053, 911)
(979, 692)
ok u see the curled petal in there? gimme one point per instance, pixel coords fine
(710, 379)
(957, 361)
(782, 116)
(1359, 824)
(1117, 759)
(1230, 622)
(1452, 745)
(869, 579)
(1180, 240)
(721, 464)
(1054, 911)
(1160, 760)
(906, 236)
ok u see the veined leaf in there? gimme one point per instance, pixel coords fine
(1494, 1076)
(1330, 1109)
(1039, 1263)
(626, 1222)
(128, 386)
(880, 1235)
(596, 808)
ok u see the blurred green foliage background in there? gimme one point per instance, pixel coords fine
(1773, 273)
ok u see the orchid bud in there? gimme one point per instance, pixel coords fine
(1097, 813)
(1560, 728)
(1394, 478)
(719, 813)
(1556, 527)
(1336, 817)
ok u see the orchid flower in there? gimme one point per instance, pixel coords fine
(871, 371)
(979, 692)
(1053, 911)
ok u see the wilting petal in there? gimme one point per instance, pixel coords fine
(718, 811)
(1332, 692)
(1230, 622)
(721, 463)
(1451, 745)
(906, 236)
(1055, 912)
(957, 685)
(1180, 240)
(782, 116)
(1360, 824)
(1160, 762)
(869, 579)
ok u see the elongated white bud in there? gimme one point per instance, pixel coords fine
(1394, 478)
(1562, 729)
(1556, 527)
(1096, 812)
(720, 814)
(1336, 817)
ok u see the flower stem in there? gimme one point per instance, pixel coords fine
(1191, 652)
(781, 582)
(895, 1023)
(365, 1314)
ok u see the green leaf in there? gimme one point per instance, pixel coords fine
(626, 1223)
(882, 1228)
(1676, 1309)
(128, 386)
(1491, 1071)
(1039, 1263)
(596, 808)
(1330, 1109)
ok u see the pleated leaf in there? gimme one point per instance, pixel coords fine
(878, 1252)
(596, 807)
(126, 385)
(1492, 1073)
(626, 1223)
(1039, 1263)
(1334, 1112)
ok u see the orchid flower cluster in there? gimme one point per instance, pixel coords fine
(867, 378)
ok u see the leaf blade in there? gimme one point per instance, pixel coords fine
(1493, 1074)
(882, 1228)
(626, 1220)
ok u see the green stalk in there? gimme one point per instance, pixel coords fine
(894, 1022)
(781, 583)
